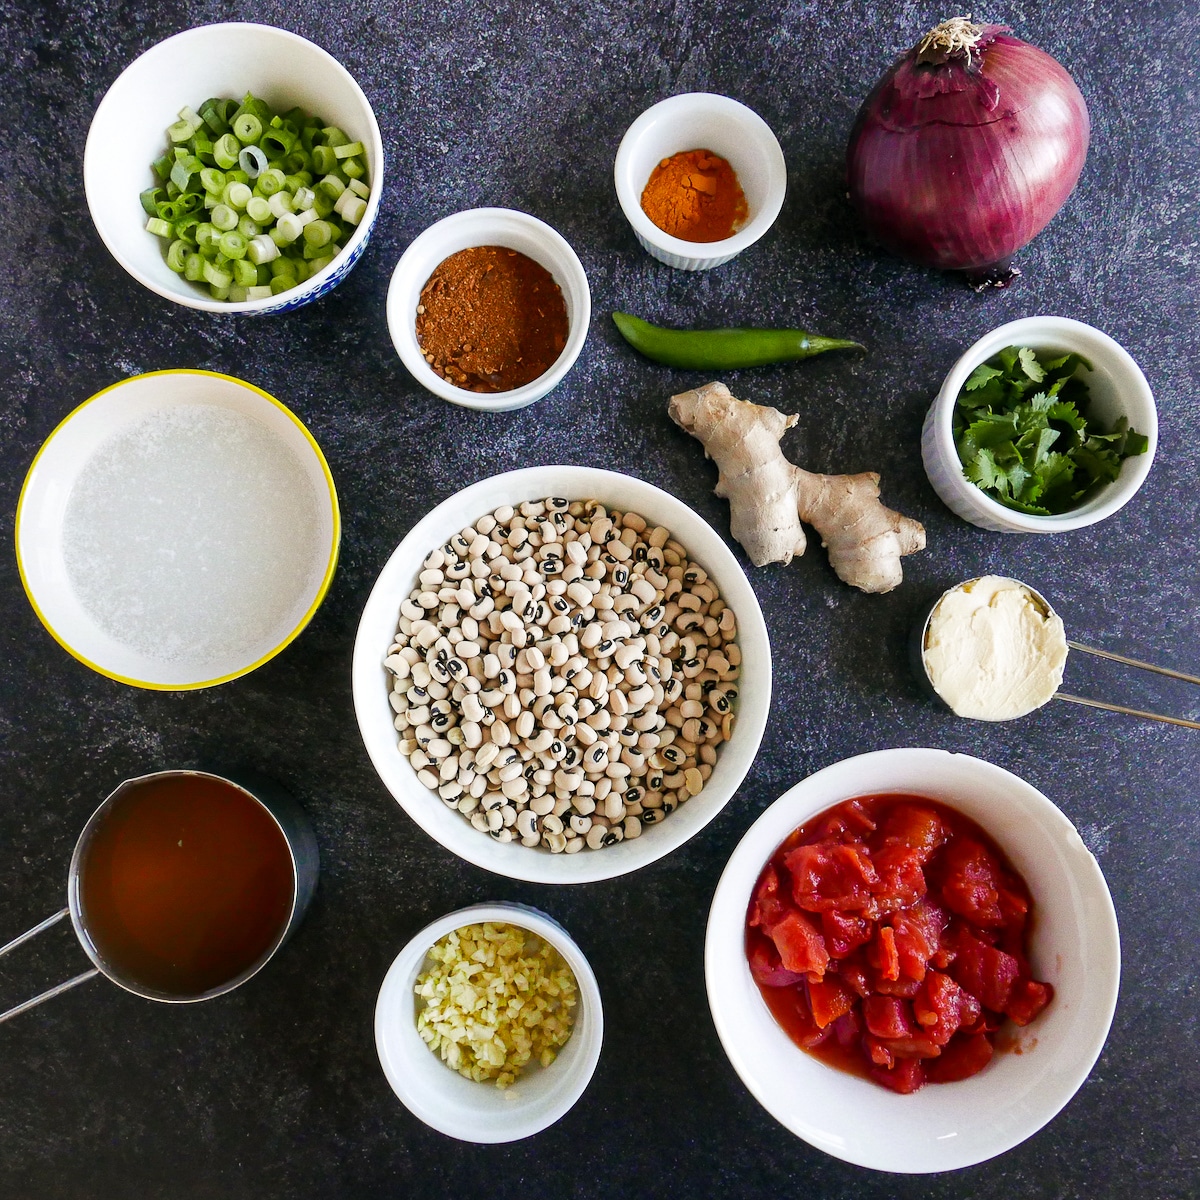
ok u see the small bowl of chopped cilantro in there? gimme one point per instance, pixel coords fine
(235, 168)
(1044, 425)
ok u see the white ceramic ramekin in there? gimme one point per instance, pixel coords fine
(701, 121)
(461, 1107)
(1075, 946)
(1117, 387)
(129, 131)
(487, 227)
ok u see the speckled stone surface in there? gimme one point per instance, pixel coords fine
(275, 1090)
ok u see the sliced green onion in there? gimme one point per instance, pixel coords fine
(282, 283)
(270, 181)
(332, 186)
(247, 227)
(186, 228)
(216, 275)
(353, 168)
(359, 188)
(334, 137)
(262, 249)
(259, 292)
(287, 229)
(278, 140)
(162, 167)
(323, 203)
(226, 150)
(350, 207)
(206, 234)
(211, 115)
(285, 267)
(281, 202)
(150, 199)
(349, 149)
(298, 160)
(245, 272)
(323, 159)
(259, 209)
(159, 227)
(253, 161)
(180, 131)
(194, 268)
(212, 180)
(237, 175)
(236, 195)
(177, 256)
(218, 292)
(319, 264)
(232, 244)
(252, 104)
(224, 217)
(318, 233)
(247, 128)
(304, 198)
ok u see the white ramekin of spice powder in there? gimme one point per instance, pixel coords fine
(724, 127)
(477, 1110)
(438, 803)
(470, 231)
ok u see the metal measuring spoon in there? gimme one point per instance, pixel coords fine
(925, 664)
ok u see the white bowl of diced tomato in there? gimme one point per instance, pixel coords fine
(912, 960)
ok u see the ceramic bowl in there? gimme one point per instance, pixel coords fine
(1117, 388)
(239, 455)
(463, 1108)
(128, 133)
(1075, 946)
(486, 227)
(372, 681)
(701, 121)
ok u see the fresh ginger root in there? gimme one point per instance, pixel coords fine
(769, 496)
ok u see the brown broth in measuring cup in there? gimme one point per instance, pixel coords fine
(185, 884)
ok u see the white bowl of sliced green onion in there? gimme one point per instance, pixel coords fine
(235, 168)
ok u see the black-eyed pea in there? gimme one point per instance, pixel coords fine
(693, 780)
(542, 805)
(596, 835)
(429, 778)
(631, 827)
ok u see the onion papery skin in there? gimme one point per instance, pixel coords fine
(958, 167)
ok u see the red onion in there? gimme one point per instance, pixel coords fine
(965, 149)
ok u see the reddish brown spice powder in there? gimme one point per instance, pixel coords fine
(695, 195)
(491, 319)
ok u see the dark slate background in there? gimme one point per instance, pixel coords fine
(276, 1089)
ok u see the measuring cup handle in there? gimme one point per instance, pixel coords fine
(54, 991)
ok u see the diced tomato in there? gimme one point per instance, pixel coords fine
(920, 1046)
(882, 954)
(905, 1077)
(888, 1017)
(829, 999)
(800, 944)
(844, 933)
(916, 828)
(916, 936)
(878, 1052)
(854, 975)
(765, 964)
(986, 972)
(766, 905)
(901, 878)
(829, 876)
(962, 1058)
(941, 1007)
(1027, 999)
(970, 884)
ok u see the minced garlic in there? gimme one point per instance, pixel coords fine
(495, 997)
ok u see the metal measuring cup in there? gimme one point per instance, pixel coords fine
(297, 831)
(918, 643)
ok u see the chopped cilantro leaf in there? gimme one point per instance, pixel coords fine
(1023, 435)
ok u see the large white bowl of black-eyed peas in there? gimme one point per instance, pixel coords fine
(562, 674)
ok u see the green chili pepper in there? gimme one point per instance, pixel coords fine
(723, 349)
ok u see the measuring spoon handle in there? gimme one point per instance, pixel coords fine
(50, 993)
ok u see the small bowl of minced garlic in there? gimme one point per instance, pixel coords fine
(489, 1023)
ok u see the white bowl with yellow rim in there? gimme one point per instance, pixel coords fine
(177, 530)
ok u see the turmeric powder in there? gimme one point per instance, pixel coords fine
(695, 195)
